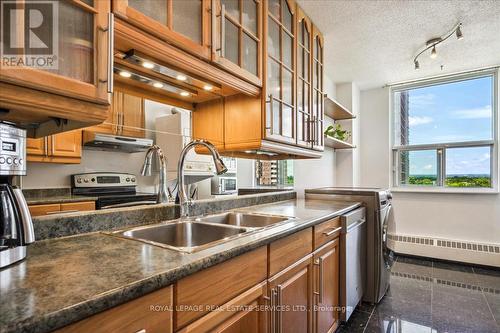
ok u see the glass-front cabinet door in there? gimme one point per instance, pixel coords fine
(304, 57)
(183, 23)
(279, 86)
(318, 103)
(67, 54)
(236, 34)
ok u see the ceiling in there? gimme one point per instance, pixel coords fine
(373, 43)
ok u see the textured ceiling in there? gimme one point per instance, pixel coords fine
(373, 42)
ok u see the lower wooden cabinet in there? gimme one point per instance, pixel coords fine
(244, 313)
(70, 207)
(151, 313)
(326, 287)
(242, 295)
(59, 148)
(290, 293)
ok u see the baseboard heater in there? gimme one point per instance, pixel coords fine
(451, 249)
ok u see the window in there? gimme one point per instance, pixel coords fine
(274, 173)
(445, 135)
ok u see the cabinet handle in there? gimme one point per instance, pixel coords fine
(319, 263)
(331, 232)
(271, 111)
(279, 310)
(62, 212)
(214, 25)
(141, 331)
(273, 311)
(111, 45)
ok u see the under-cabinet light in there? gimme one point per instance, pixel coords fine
(158, 85)
(207, 87)
(125, 74)
(148, 64)
(184, 93)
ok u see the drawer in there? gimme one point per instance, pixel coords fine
(40, 210)
(78, 206)
(218, 284)
(326, 231)
(151, 313)
(288, 250)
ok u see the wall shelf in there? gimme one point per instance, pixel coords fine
(337, 144)
(337, 111)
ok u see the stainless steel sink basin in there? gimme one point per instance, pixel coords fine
(244, 219)
(184, 236)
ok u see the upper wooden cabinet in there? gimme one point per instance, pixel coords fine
(59, 148)
(280, 70)
(126, 118)
(237, 36)
(304, 57)
(76, 87)
(81, 65)
(185, 24)
(286, 121)
(318, 94)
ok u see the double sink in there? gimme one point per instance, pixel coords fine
(195, 234)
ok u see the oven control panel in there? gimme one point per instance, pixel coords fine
(12, 150)
(103, 179)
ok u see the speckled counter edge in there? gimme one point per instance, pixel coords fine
(140, 288)
(83, 222)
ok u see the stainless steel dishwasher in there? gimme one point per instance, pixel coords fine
(352, 260)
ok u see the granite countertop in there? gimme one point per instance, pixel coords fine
(58, 199)
(67, 279)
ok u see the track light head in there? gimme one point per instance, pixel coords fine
(417, 65)
(434, 52)
(458, 33)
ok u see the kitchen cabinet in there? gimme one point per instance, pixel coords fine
(318, 95)
(70, 207)
(200, 294)
(305, 118)
(291, 298)
(237, 36)
(81, 40)
(285, 121)
(125, 118)
(185, 24)
(326, 287)
(279, 70)
(58, 148)
(248, 316)
(131, 317)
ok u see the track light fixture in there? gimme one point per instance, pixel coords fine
(432, 43)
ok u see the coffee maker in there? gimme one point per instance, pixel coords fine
(16, 227)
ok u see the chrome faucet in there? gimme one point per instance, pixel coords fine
(159, 166)
(220, 168)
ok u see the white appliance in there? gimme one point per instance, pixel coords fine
(352, 260)
(379, 217)
(173, 132)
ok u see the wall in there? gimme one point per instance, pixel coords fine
(473, 218)
(45, 175)
(347, 160)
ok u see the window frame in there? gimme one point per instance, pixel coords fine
(441, 148)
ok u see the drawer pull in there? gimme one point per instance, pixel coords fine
(331, 232)
(141, 331)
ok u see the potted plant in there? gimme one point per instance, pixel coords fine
(335, 131)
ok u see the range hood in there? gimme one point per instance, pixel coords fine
(98, 141)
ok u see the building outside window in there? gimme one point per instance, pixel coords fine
(274, 173)
(445, 133)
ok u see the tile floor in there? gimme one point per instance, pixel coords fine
(428, 296)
